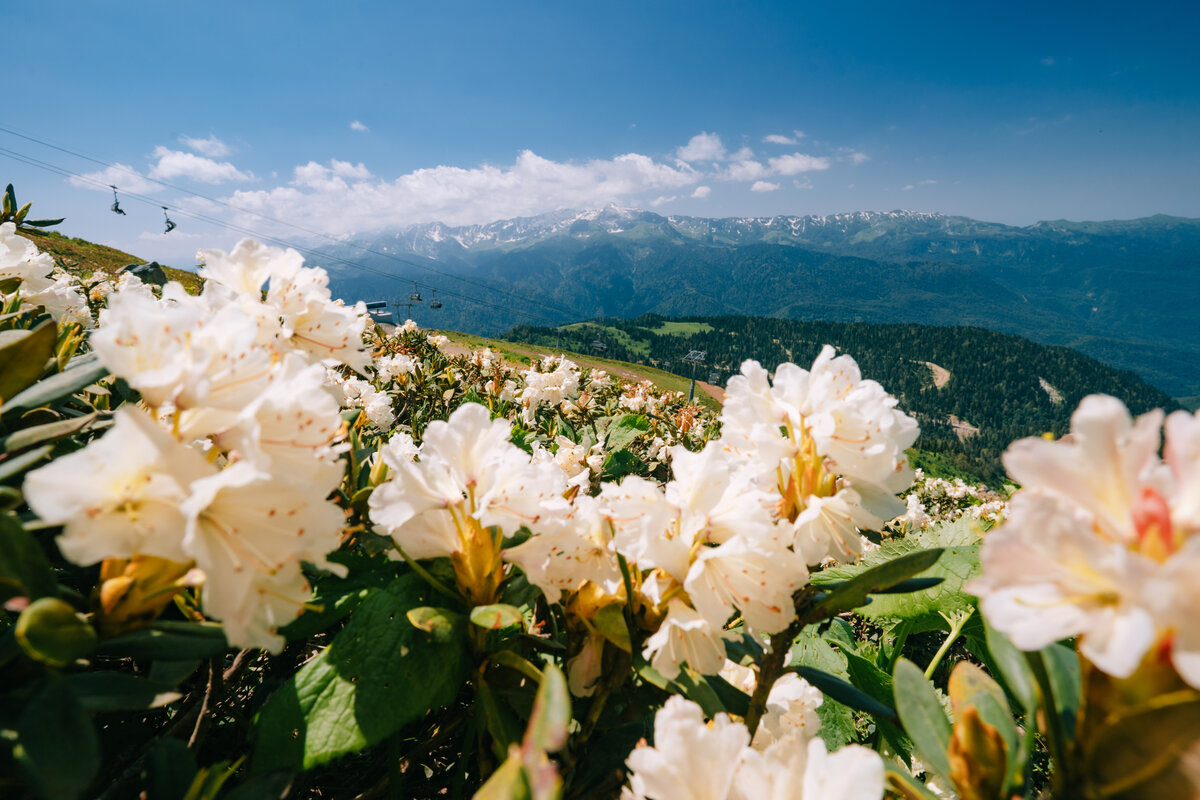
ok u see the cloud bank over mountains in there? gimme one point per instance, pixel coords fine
(343, 198)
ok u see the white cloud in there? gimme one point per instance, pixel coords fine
(778, 138)
(1048, 61)
(318, 176)
(795, 163)
(323, 195)
(745, 171)
(662, 200)
(908, 188)
(358, 126)
(803, 183)
(704, 146)
(764, 186)
(853, 156)
(702, 192)
(211, 147)
(928, 182)
(124, 177)
(177, 164)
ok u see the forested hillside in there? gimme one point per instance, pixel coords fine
(1004, 386)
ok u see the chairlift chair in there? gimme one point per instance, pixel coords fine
(714, 377)
(416, 294)
(170, 224)
(435, 303)
(599, 346)
(116, 204)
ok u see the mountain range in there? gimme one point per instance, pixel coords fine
(1126, 292)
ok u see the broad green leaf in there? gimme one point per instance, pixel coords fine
(900, 783)
(119, 691)
(854, 592)
(440, 623)
(623, 430)
(922, 715)
(170, 770)
(970, 686)
(497, 616)
(610, 621)
(924, 606)
(171, 641)
(10, 467)
(1066, 683)
(38, 434)
(619, 464)
(376, 676)
(1013, 668)
(809, 649)
(23, 357)
(79, 374)
(878, 685)
(51, 631)
(695, 687)
(508, 782)
(58, 741)
(845, 692)
(837, 724)
(24, 569)
(547, 729)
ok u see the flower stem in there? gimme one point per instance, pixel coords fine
(424, 573)
(955, 631)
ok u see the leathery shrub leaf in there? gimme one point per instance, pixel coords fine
(377, 675)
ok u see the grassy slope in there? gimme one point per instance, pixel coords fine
(519, 353)
(84, 259)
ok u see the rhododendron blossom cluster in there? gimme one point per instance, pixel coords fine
(230, 458)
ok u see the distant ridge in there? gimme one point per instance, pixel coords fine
(1124, 291)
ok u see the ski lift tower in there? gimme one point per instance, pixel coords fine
(695, 358)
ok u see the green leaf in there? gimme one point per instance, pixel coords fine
(49, 630)
(23, 357)
(845, 692)
(170, 771)
(335, 597)
(497, 616)
(623, 430)
(619, 464)
(171, 641)
(878, 684)
(378, 675)
(506, 783)
(970, 686)
(10, 200)
(440, 623)
(1013, 668)
(43, 223)
(1066, 682)
(58, 741)
(66, 383)
(119, 691)
(922, 715)
(610, 621)
(24, 568)
(21, 214)
(547, 729)
(855, 591)
(900, 783)
(922, 607)
(28, 437)
(10, 467)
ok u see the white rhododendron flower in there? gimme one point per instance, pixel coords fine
(547, 383)
(695, 760)
(390, 368)
(689, 760)
(63, 302)
(120, 495)
(400, 447)
(685, 637)
(827, 444)
(1101, 542)
(249, 532)
(572, 548)
(20, 259)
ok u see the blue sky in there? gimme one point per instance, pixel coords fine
(353, 117)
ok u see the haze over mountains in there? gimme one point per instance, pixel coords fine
(1125, 292)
